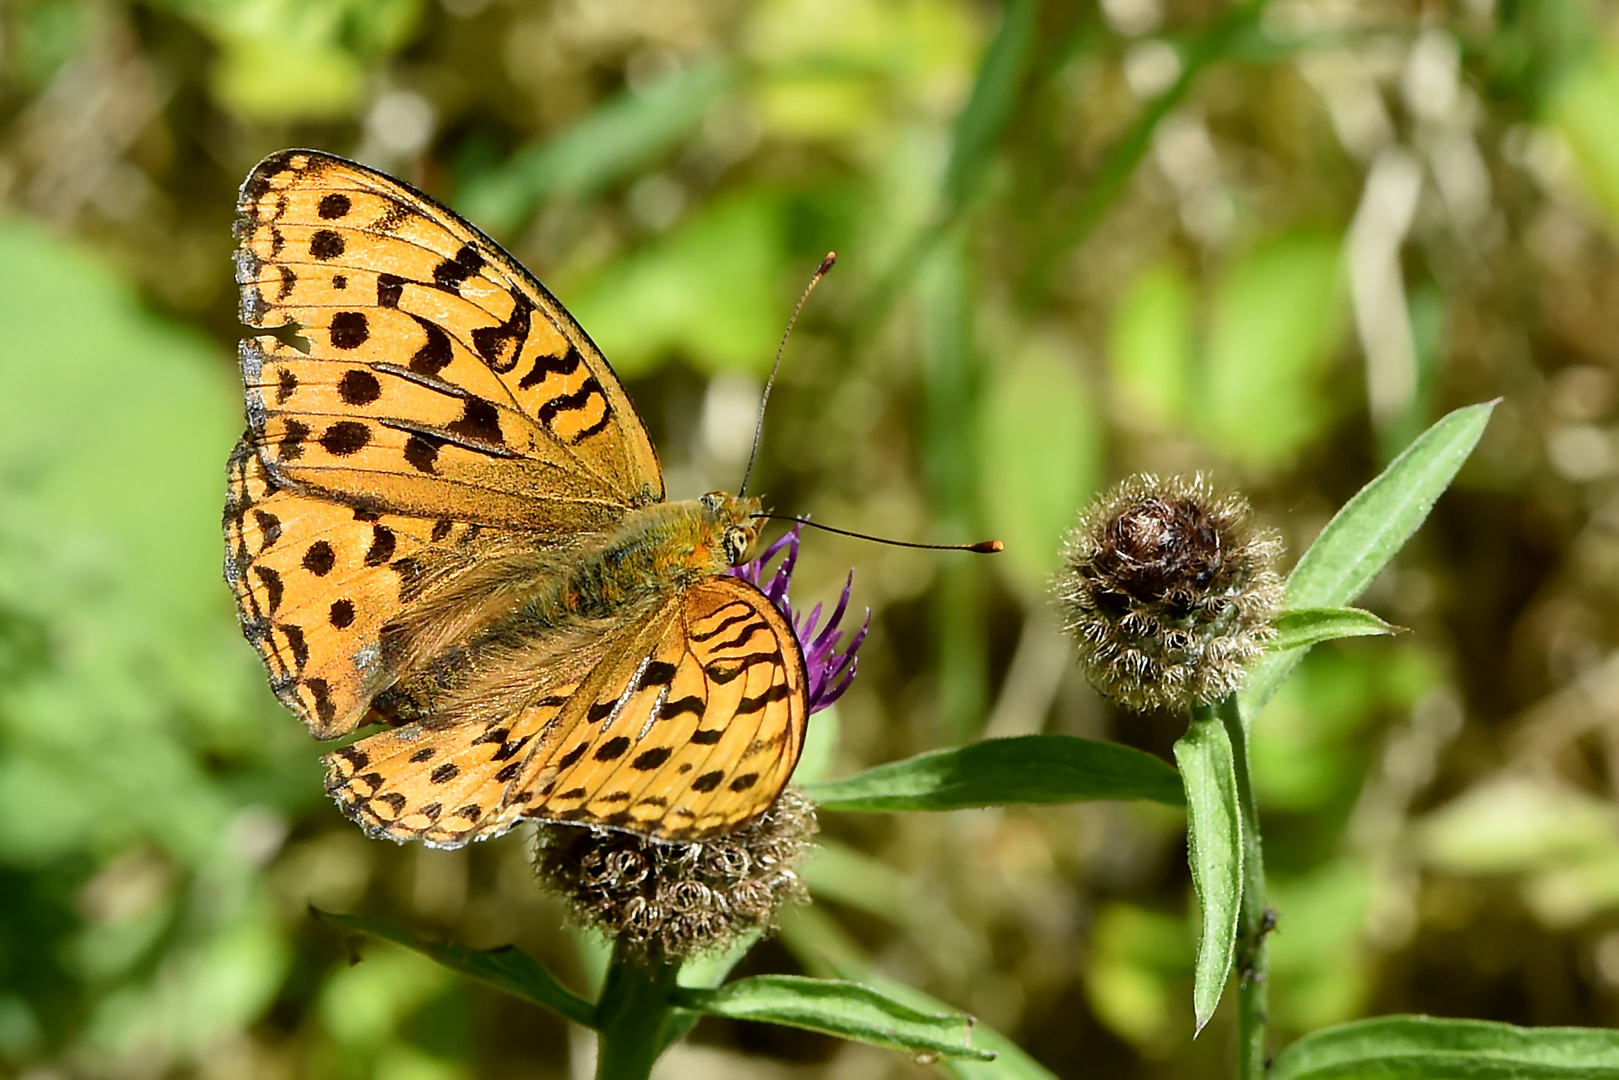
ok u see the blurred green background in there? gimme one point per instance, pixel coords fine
(1272, 241)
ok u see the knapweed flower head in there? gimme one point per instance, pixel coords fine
(668, 900)
(1168, 589)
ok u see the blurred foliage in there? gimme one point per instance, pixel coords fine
(1273, 241)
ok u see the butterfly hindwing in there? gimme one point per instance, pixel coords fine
(440, 378)
(687, 738)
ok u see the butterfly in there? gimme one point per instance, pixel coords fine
(445, 516)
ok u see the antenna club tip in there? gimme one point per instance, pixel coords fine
(988, 547)
(827, 263)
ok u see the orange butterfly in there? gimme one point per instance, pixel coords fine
(445, 515)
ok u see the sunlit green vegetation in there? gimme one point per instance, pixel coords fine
(1272, 241)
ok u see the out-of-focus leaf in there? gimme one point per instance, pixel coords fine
(835, 1007)
(1516, 824)
(107, 483)
(1040, 461)
(1275, 320)
(1139, 960)
(1582, 110)
(1430, 1048)
(284, 60)
(710, 289)
(835, 871)
(994, 96)
(1320, 971)
(1299, 628)
(507, 969)
(1214, 842)
(1370, 528)
(1028, 769)
(1150, 345)
(619, 137)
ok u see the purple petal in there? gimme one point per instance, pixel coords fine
(830, 671)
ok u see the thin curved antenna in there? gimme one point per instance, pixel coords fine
(983, 547)
(759, 427)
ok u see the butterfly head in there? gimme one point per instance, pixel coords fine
(731, 524)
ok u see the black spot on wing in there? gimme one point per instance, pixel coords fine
(325, 244)
(269, 527)
(499, 345)
(434, 356)
(707, 736)
(572, 756)
(390, 287)
(382, 546)
(563, 365)
(449, 274)
(445, 773)
(651, 759)
(349, 330)
(292, 440)
(286, 383)
(358, 387)
(333, 205)
(708, 781)
(753, 704)
(479, 420)
(613, 748)
(345, 437)
(421, 451)
(320, 558)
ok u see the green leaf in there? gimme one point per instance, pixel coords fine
(994, 97)
(1042, 454)
(1027, 770)
(1299, 628)
(618, 138)
(1214, 841)
(1429, 1048)
(1150, 345)
(835, 1007)
(1581, 110)
(507, 969)
(1276, 317)
(1365, 534)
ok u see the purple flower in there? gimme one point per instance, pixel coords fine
(830, 671)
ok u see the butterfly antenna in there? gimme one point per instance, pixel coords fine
(983, 547)
(759, 427)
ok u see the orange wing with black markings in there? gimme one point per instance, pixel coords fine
(440, 378)
(688, 727)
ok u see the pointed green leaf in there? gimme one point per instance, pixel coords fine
(994, 97)
(1361, 539)
(1430, 1048)
(1029, 769)
(1299, 628)
(1214, 843)
(835, 1007)
(507, 969)
(621, 136)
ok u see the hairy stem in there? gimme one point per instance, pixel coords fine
(1253, 921)
(633, 1015)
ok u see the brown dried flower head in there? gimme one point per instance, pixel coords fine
(1169, 590)
(671, 901)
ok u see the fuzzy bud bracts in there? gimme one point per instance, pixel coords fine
(672, 901)
(1168, 590)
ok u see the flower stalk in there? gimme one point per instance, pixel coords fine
(633, 1015)
(1253, 919)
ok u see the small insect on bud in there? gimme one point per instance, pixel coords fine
(1168, 589)
(672, 901)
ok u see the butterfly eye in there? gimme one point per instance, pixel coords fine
(736, 542)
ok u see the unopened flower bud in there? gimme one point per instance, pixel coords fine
(1168, 589)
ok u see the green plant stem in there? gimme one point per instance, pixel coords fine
(632, 1015)
(1252, 991)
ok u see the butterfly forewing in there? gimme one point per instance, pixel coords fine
(440, 377)
(434, 444)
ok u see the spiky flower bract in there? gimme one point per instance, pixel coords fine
(1168, 589)
(670, 901)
